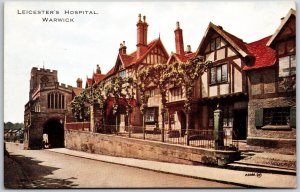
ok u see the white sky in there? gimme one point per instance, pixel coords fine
(74, 49)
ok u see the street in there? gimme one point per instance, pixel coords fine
(46, 169)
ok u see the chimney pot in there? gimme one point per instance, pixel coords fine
(177, 25)
(79, 83)
(144, 18)
(122, 49)
(179, 40)
(188, 49)
(98, 70)
(140, 17)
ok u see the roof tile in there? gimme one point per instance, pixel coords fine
(264, 55)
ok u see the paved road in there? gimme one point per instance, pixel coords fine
(46, 169)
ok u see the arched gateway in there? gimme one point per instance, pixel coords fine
(54, 132)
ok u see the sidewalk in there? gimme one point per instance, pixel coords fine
(248, 179)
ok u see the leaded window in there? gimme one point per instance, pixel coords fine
(219, 74)
(56, 100)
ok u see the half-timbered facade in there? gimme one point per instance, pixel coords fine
(127, 65)
(272, 89)
(176, 115)
(224, 83)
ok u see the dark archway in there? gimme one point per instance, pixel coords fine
(55, 131)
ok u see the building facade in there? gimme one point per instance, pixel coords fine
(252, 83)
(272, 90)
(47, 109)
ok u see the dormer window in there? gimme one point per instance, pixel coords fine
(214, 44)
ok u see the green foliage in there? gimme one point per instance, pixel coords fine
(120, 87)
(185, 74)
(80, 106)
(10, 125)
(163, 76)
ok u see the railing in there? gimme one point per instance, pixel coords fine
(197, 138)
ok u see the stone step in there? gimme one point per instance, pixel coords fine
(257, 163)
(260, 168)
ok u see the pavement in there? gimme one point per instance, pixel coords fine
(239, 177)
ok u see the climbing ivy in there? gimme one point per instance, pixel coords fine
(80, 105)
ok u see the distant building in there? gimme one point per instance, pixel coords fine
(47, 108)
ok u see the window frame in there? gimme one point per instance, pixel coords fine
(216, 67)
(55, 100)
(289, 68)
(122, 73)
(151, 115)
(213, 45)
(269, 113)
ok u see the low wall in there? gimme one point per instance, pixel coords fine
(143, 149)
(83, 126)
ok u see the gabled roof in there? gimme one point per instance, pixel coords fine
(264, 55)
(292, 12)
(98, 77)
(132, 59)
(237, 43)
(181, 58)
(77, 90)
(89, 82)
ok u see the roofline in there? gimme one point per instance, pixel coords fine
(170, 57)
(158, 41)
(283, 22)
(220, 32)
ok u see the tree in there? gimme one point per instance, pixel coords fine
(185, 74)
(162, 76)
(79, 106)
(120, 88)
(154, 74)
(97, 99)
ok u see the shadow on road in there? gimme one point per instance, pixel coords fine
(25, 172)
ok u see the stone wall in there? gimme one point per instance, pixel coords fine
(270, 140)
(142, 149)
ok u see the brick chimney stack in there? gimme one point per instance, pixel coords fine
(79, 83)
(142, 29)
(122, 49)
(179, 40)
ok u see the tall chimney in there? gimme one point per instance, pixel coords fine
(122, 49)
(145, 28)
(179, 40)
(79, 83)
(142, 28)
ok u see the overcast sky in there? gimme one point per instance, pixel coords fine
(74, 49)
